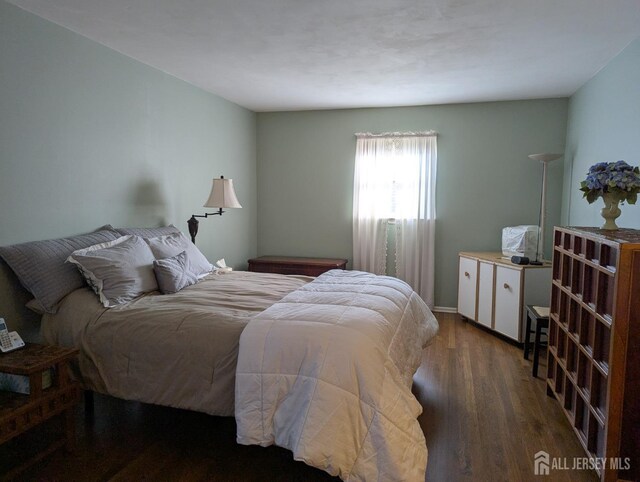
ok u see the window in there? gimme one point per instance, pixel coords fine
(395, 179)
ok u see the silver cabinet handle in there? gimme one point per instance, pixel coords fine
(466, 273)
(506, 286)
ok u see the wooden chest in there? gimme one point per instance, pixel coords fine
(295, 265)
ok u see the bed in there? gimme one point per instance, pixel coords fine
(176, 350)
(322, 366)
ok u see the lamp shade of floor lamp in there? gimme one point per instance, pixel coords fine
(544, 159)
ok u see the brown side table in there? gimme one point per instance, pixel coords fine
(295, 265)
(19, 413)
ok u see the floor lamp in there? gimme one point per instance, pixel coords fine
(544, 159)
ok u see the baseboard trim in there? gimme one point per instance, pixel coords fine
(445, 309)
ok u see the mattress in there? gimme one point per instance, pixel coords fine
(177, 350)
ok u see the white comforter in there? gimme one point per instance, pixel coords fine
(326, 372)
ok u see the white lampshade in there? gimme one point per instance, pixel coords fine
(547, 157)
(222, 195)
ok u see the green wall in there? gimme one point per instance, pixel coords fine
(89, 137)
(603, 125)
(485, 180)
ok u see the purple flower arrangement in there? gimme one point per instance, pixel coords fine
(617, 178)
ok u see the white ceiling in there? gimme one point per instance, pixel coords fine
(321, 54)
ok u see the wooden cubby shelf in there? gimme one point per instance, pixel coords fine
(594, 342)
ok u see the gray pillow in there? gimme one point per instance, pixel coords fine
(118, 271)
(40, 265)
(173, 244)
(149, 232)
(174, 273)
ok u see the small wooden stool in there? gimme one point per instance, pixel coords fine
(542, 323)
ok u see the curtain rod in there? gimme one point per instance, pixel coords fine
(363, 135)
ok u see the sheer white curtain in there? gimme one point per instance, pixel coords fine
(395, 177)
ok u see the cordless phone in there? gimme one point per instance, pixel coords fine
(9, 341)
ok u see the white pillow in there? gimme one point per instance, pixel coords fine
(119, 270)
(173, 244)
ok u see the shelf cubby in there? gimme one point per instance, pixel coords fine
(559, 385)
(573, 317)
(599, 392)
(556, 268)
(584, 373)
(554, 307)
(595, 441)
(590, 249)
(553, 335)
(562, 345)
(582, 419)
(587, 327)
(551, 370)
(576, 276)
(604, 298)
(570, 399)
(579, 246)
(589, 285)
(565, 270)
(602, 346)
(572, 359)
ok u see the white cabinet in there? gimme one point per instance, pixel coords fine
(494, 292)
(467, 287)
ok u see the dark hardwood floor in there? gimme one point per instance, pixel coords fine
(484, 419)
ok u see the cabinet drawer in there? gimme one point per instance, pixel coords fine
(508, 294)
(467, 286)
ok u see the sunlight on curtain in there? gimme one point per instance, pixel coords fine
(394, 179)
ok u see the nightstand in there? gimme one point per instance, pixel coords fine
(295, 265)
(19, 413)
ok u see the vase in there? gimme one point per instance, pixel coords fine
(610, 211)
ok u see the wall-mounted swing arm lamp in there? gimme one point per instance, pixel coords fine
(222, 196)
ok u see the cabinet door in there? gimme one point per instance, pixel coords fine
(508, 295)
(467, 278)
(485, 294)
